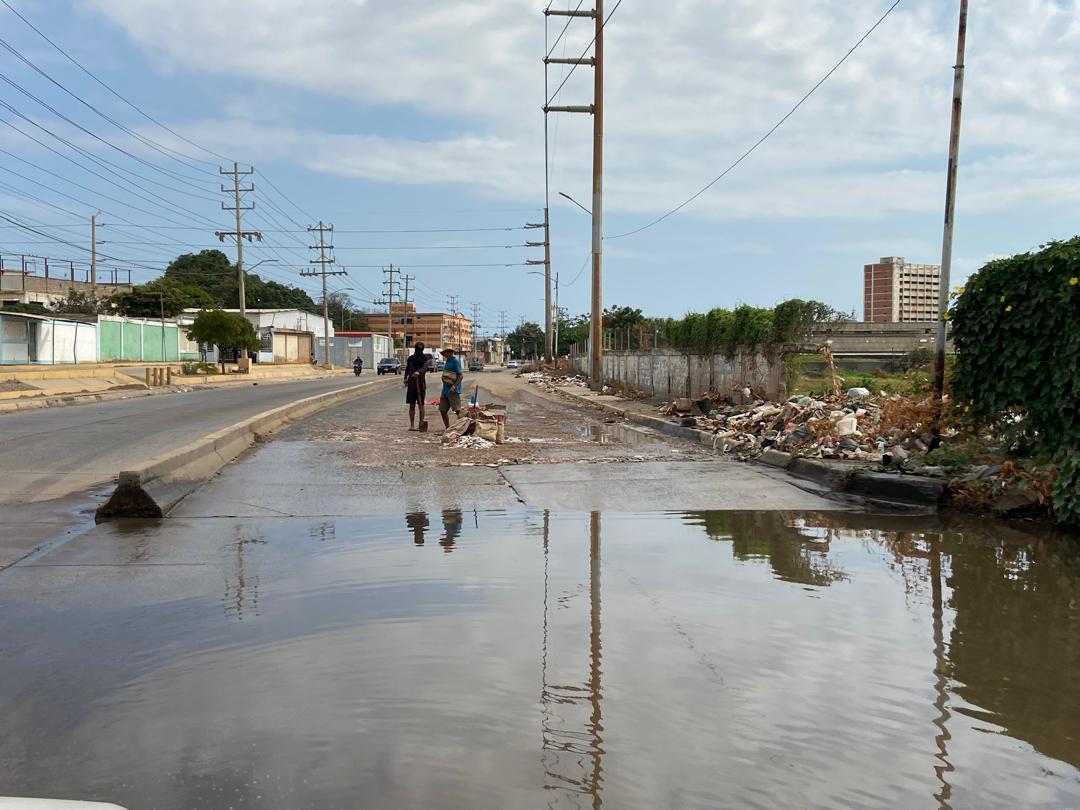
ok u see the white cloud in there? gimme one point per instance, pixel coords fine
(690, 84)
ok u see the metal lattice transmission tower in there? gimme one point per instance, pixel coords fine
(325, 260)
(239, 234)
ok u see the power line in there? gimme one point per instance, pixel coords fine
(160, 148)
(131, 104)
(569, 20)
(766, 136)
(110, 144)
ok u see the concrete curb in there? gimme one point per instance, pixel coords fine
(837, 478)
(156, 487)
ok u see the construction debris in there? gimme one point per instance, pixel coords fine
(855, 426)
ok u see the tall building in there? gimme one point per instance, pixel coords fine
(436, 330)
(896, 291)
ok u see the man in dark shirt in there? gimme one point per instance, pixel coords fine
(416, 385)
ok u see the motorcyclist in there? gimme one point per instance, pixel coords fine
(358, 366)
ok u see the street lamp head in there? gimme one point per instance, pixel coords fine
(575, 202)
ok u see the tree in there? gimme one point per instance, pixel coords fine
(211, 271)
(526, 341)
(224, 330)
(622, 317)
(162, 297)
(79, 303)
(572, 330)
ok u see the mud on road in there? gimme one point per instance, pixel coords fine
(541, 429)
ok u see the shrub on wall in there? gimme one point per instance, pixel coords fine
(746, 327)
(1016, 327)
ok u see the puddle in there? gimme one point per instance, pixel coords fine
(458, 659)
(620, 433)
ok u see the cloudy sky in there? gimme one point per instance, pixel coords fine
(411, 115)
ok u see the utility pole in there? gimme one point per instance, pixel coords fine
(950, 217)
(546, 261)
(93, 255)
(596, 349)
(475, 327)
(558, 320)
(323, 260)
(390, 289)
(240, 234)
(502, 333)
(405, 312)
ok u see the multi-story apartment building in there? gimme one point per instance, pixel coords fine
(437, 330)
(896, 291)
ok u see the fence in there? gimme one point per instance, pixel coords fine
(137, 340)
(671, 373)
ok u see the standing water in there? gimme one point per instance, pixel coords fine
(519, 660)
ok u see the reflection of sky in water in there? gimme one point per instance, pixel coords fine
(699, 660)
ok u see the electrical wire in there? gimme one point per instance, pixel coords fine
(569, 20)
(131, 104)
(768, 134)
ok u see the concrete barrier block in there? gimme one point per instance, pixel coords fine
(776, 458)
(894, 487)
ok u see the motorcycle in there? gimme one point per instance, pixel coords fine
(357, 368)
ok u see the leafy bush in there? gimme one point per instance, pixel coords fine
(197, 367)
(746, 327)
(1016, 326)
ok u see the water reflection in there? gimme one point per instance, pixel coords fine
(572, 743)
(417, 523)
(698, 660)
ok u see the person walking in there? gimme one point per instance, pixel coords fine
(450, 398)
(416, 385)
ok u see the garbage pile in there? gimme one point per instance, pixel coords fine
(479, 429)
(852, 426)
(552, 384)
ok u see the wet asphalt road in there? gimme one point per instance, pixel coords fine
(323, 626)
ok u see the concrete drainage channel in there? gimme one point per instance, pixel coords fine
(153, 489)
(836, 478)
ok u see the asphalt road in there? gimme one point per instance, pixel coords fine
(53, 452)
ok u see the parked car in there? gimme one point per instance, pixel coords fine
(389, 365)
(513, 364)
(440, 364)
(476, 365)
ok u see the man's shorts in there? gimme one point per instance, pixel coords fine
(414, 394)
(450, 402)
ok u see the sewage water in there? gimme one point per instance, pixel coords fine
(519, 660)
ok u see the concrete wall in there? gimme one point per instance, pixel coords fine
(876, 339)
(137, 340)
(345, 349)
(66, 342)
(16, 335)
(666, 373)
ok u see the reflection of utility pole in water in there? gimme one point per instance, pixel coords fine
(236, 595)
(573, 753)
(940, 675)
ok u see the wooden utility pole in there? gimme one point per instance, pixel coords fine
(950, 218)
(323, 261)
(240, 234)
(596, 348)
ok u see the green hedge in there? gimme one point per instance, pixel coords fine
(729, 331)
(1016, 327)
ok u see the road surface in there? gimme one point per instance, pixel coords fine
(352, 615)
(56, 461)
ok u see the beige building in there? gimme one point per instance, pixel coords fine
(436, 330)
(896, 291)
(29, 284)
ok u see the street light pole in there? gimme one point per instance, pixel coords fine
(596, 350)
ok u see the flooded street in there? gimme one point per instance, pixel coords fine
(461, 659)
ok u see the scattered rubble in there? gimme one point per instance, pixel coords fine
(855, 426)
(470, 443)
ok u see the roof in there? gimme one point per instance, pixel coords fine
(58, 317)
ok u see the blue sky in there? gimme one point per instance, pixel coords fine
(412, 115)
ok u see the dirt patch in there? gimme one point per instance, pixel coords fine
(374, 432)
(7, 386)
